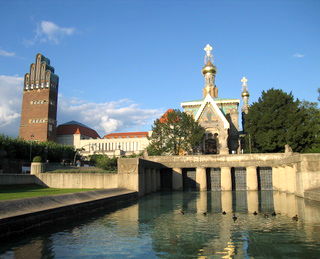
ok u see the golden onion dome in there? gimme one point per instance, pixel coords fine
(245, 94)
(209, 68)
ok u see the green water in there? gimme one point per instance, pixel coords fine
(155, 227)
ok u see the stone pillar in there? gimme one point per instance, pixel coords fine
(142, 182)
(252, 178)
(177, 179)
(291, 178)
(147, 180)
(226, 201)
(292, 209)
(201, 178)
(154, 179)
(277, 202)
(283, 179)
(37, 168)
(226, 183)
(275, 178)
(158, 181)
(252, 201)
(202, 202)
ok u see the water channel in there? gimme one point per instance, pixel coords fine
(186, 225)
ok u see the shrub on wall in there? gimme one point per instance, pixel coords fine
(37, 159)
(104, 162)
(16, 148)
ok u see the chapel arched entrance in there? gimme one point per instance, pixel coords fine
(211, 144)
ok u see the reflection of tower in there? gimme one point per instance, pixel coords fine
(245, 99)
(209, 73)
(39, 105)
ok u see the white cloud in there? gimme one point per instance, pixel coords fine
(121, 115)
(50, 32)
(105, 117)
(6, 53)
(298, 55)
(10, 104)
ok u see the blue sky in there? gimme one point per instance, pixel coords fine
(122, 63)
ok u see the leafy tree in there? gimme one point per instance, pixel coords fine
(175, 132)
(104, 162)
(277, 119)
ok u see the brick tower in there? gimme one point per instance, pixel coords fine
(39, 104)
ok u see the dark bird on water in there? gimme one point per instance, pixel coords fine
(182, 212)
(274, 214)
(266, 215)
(224, 213)
(255, 213)
(204, 213)
(295, 218)
(234, 217)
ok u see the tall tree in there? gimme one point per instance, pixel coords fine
(277, 119)
(175, 132)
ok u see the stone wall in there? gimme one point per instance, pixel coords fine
(79, 180)
(139, 175)
(10, 179)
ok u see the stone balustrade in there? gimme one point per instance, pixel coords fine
(293, 173)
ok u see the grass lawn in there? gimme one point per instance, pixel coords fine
(10, 192)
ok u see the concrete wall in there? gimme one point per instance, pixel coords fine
(79, 180)
(10, 179)
(292, 173)
(139, 175)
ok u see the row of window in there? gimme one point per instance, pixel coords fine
(37, 86)
(38, 120)
(38, 102)
(41, 102)
(126, 146)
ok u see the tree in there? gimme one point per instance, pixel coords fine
(175, 132)
(277, 119)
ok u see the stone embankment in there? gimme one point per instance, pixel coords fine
(24, 216)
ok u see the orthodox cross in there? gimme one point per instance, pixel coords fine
(244, 81)
(208, 56)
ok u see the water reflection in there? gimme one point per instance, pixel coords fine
(155, 227)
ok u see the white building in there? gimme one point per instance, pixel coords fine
(88, 142)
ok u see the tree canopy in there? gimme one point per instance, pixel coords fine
(277, 119)
(174, 133)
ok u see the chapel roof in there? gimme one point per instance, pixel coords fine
(75, 127)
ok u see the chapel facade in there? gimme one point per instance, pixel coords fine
(219, 116)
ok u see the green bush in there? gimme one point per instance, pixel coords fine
(104, 162)
(16, 148)
(37, 159)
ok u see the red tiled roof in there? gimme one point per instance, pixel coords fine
(71, 129)
(164, 117)
(139, 134)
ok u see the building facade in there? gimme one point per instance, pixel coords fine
(88, 142)
(39, 104)
(219, 116)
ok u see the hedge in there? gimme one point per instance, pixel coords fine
(16, 148)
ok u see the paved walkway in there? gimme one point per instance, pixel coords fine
(18, 207)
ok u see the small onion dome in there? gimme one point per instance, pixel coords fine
(245, 94)
(209, 68)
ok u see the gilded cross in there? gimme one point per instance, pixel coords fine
(208, 50)
(244, 81)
